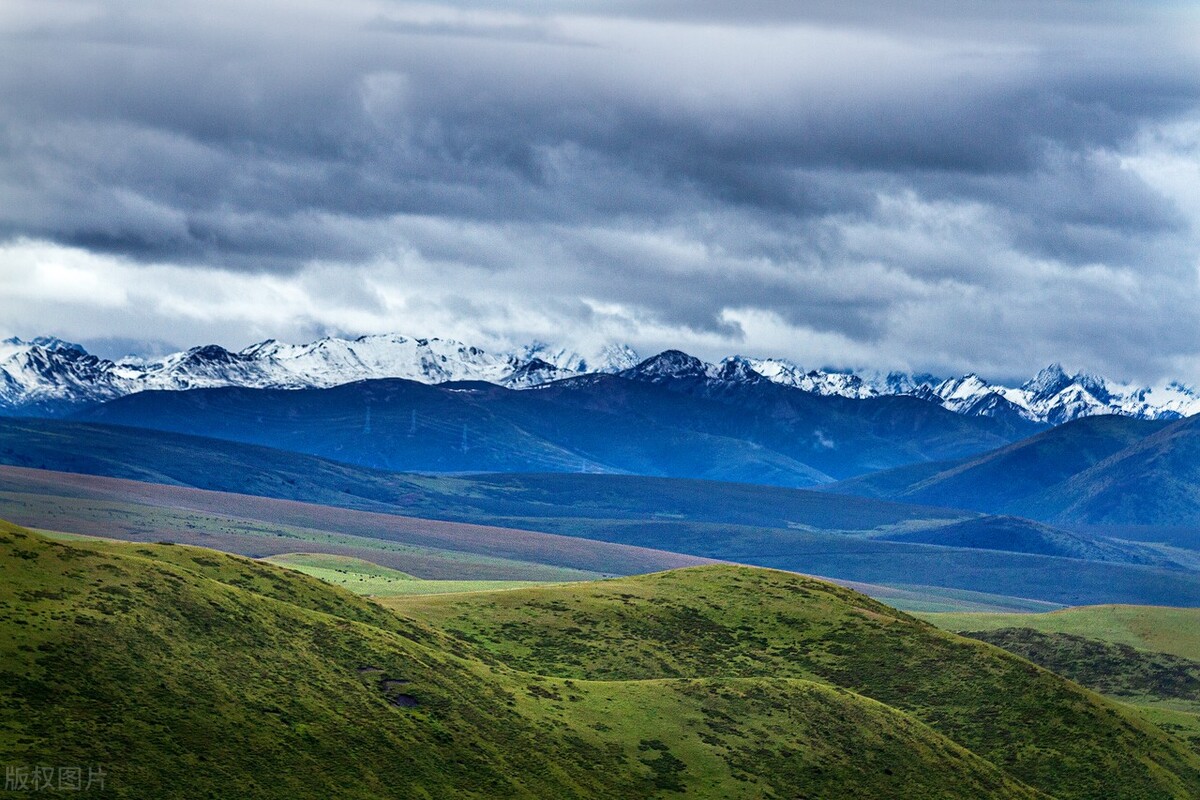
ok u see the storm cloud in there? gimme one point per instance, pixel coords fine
(932, 185)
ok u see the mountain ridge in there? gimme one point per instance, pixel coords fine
(46, 376)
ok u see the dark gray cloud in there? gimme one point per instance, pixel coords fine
(749, 176)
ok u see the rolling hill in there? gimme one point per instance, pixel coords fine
(1145, 655)
(151, 660)
(260, 526)
(730, 621)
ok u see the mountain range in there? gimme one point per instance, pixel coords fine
(668, 416)
(50, 377)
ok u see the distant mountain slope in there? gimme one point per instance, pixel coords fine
(171, 458)
(1016, 535)
(813, 532)
(1154, 481)
(179, 672)
(999, 481)
(408, 426)
(1104, 472)
(676, 425)
(263, 526)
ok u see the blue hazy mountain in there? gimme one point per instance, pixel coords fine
(668, 416)
(1097, 471)
(998, 481)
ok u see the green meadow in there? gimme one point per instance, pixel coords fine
(193, 673)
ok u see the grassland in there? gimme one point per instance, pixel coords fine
(440, 550)
(1152, 628)
(260, 526)
(805, 531)
(365, 578)
(190, 673)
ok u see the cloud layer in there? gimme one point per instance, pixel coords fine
(939, 185)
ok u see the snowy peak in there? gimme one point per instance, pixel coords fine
(736, 369)
(535, 372)
(1054, 396)
(1049, 381)
(831, 383)
(667, 365)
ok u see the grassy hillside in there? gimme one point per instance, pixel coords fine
(1113, 669)
(1148, 656)
(188, 673)
(728, 621)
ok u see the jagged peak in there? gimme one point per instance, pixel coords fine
(1049, 380)
(50, 343)
(669, 364)
(739, 370)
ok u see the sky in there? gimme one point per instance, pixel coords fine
(934, 185)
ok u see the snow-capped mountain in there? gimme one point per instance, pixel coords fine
(670, 365)
(1052, 396)
(1055, 397)
(48, 376)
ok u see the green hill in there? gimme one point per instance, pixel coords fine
(187, 673)
(1150, 628)
(366, 578)
(728, 622)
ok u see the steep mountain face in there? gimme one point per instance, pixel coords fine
(49, 377)
(36, 377)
